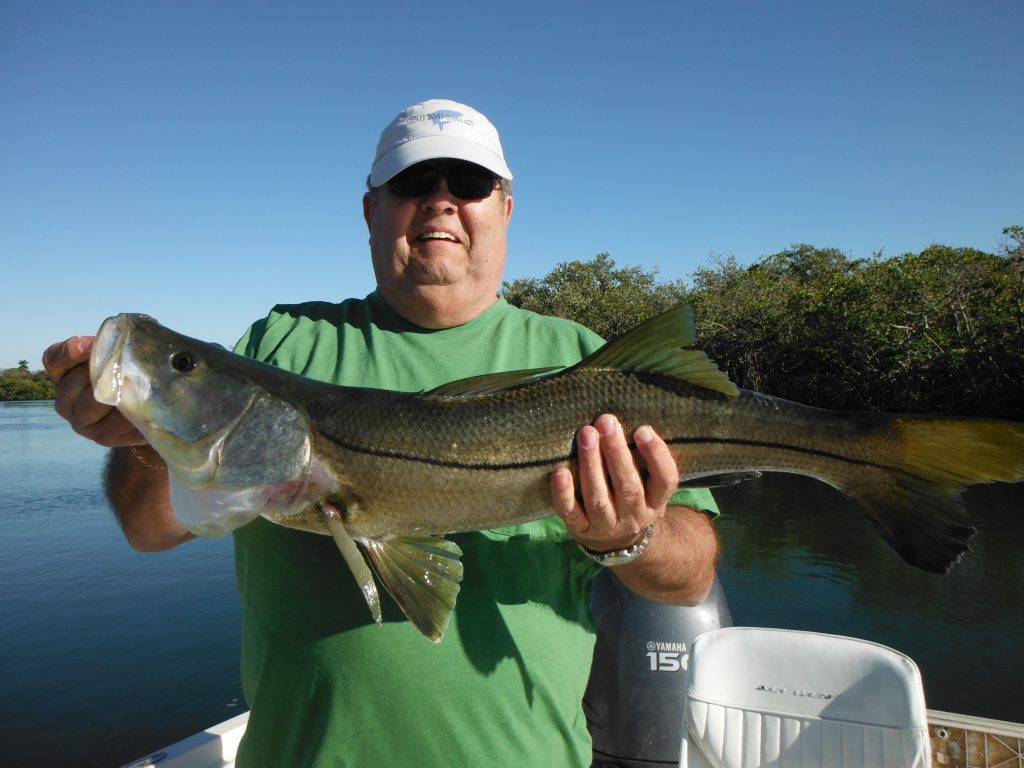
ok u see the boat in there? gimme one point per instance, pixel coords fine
(214, 747)
(957, 741)
(675, 686)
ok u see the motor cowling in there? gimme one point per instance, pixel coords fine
(635, 696)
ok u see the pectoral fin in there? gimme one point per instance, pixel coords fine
(422, 573)
(720, 481)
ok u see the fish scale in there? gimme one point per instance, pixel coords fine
(474, 439)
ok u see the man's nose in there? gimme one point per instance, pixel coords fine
(439, 197)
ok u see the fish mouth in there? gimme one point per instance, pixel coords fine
(116, 378)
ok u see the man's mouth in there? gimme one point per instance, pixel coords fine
(446, 236)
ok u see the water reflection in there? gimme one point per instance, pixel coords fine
(799, 555)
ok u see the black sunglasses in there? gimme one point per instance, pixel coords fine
(466, 181)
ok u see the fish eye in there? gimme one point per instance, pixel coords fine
(183, 361)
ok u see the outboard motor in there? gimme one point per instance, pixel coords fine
(634, 699)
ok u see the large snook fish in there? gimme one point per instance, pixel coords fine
(385, 472)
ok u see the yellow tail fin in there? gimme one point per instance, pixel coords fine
(916, 505)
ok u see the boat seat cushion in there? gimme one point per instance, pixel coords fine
(771, 697)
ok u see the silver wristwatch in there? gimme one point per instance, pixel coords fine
(621, 556)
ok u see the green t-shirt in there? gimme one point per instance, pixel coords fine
(327, 686)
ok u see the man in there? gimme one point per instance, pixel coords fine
(325, 685)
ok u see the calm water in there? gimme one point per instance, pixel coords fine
(106, 653)
(798, 556)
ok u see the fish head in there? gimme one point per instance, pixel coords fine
(198, 405)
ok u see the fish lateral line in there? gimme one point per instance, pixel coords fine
(783, 447)
(388, 453)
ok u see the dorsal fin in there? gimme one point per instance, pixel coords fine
(488, 382)
(662, 345)
(659, 345)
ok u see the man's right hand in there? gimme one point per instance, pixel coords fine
(67, 362)
(136, 491)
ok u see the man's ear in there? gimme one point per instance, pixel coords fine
(369, 203)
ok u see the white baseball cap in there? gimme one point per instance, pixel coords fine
(433, 129)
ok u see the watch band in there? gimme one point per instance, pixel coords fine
(621, 556)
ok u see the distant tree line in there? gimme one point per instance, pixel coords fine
(22, 384)
(940, 331)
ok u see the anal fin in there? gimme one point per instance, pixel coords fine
(422, 574)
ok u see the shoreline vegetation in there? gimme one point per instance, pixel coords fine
(20, 383)
(940, 331)
(935, 332)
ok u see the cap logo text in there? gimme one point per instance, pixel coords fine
(440, 118)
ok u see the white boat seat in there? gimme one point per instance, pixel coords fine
(772, 697)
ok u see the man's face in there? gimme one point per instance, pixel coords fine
(437, 256)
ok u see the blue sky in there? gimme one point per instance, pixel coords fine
(200, 161)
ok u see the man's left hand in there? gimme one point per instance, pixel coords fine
(615, 504)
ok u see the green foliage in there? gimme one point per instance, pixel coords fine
(776, 318)
(941, 331)
(953, 331)
(21, 384)
(596, 294)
